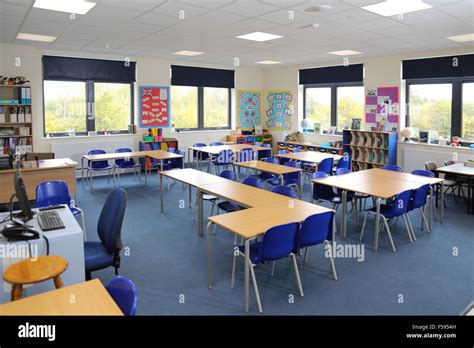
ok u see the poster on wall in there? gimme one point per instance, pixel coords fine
(250, 109)
(154, 106)
(279, 109)
(382, 109)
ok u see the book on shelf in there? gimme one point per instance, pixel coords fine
(356, 124)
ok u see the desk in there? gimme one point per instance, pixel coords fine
(67, 242)
(251, 223)
(272, 168)
(461, 170)
(35, 173)
(309, 156)
(214, 150)
(379, 183)
(91, 298)
(156, 154)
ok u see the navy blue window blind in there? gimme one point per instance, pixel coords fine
(202, 77)
(332, 74)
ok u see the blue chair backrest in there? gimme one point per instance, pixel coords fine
(321, 191)
(284, 190)
(253, 181)
(400, 203)
(178, 162)
(266, 175)
(293, 177)
(278, 242)
(245, 155)
(418, 198)
(282, 152)
(256, 143)
(296, 149)
(423, 173)
(326, 165)
(124, 293)
(342, 171)
(283, 160)
(344, 162)
(198, 154)
(216, 143)
(272, 160)
(266, 153)
(228, 174)
(52, 193)
(224, 157)
(267, 145)
(97, 164)
(316, 229)
(109, 226)
(121, 162)
(393, 168)
(199, 145)
(171, 149)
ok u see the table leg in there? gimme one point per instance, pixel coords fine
(442, 203)
(301, 184)
(431, 209)
(58, 282)
(209, 256)
(190, 197)
(161, 192)
(146, 174)
(246, 275)
(470, 194)
(281, 179)
(377, 223)
(200, 212)
(17, 292)
(344, 214)
(82, 171)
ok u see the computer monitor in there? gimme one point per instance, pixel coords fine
(22, 197)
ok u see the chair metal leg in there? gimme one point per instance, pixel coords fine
(389, 234)
(232, 279)
(363, 227)
(423, 217)
(331, 258)
(255, 286)
(408, 227)
(273, 268)
(306, 255)
(297, 274)
(411, 227)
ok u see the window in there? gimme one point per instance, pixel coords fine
(64, 106)
(84, 95)
(430, 107)
(468, 112)
(350, 104)
(334, 104)
(200, 107)
(318, 106)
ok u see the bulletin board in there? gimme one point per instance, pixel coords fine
(382, 109)
(279, 110)
(154, 106)
(250, 109)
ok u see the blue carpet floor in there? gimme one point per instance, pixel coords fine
(167, 261)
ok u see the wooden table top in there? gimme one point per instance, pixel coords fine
(309, 156)
(306, 143)
(87, 298)
(235, 148)
(157, 154)
(193, 177)
(44, 165)
(404, 176)
(457, 168)
(250, 223)
(268, 167)
(30, 271)
(242, 194)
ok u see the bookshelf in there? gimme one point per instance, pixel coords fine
(370, 149)
(15, 119)
(155, 145)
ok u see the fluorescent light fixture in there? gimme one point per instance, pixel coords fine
(268, 62)
(345, 53)
(259, 36)
(395, 7)
(34, 37)
(188, 53)
(70, 6)
(462, 38)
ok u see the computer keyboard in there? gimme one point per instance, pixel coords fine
(49, 220)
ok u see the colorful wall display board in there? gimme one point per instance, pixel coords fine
(382, 109)
(279, 109)
(154, 106)
(250, 109)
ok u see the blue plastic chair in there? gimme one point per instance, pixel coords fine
(277, 243)
(393, 168)
(265, 153)
(223, 159)
(253, 181)
(216, 143)
(124, 293)
(57, 192)
(389, 211)
(198, 156)
(284, 190)
(418, 201)
(99, 166)
(326, 165)
(296, 149)
(290, 179)
(245, 155)
(317, 229)
(342, 171)
(324, 193)
(106, 252)
(227, 206)
(256, 143)
(127, 164)
(423, 173)
(282, 160)
(344, 162)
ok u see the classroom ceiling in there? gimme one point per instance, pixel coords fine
(153, 28)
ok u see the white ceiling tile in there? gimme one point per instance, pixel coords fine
(173, 8)
(249, 8)
(14, 9)
(138, 5)
(210, 4)
(254, 25)
(156, 18)
(376, 24)
(462, 10)
(283, 17)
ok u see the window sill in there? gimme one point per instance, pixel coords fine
(227, 130)
(454, 148)
(90, 136)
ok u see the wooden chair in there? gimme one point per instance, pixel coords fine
(31, 271)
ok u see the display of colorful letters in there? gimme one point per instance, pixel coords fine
(154, 106)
